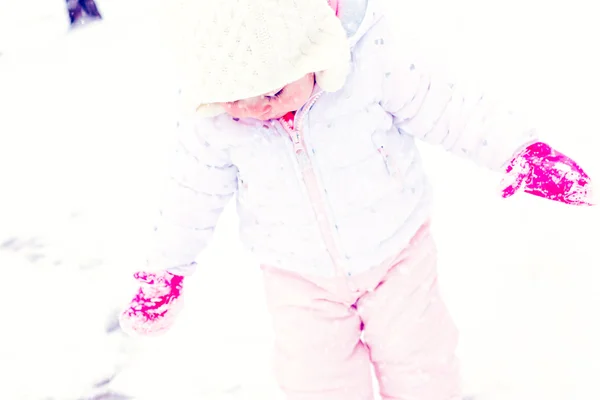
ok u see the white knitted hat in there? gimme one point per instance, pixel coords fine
(229, 50)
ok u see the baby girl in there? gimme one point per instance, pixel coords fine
(307, 113)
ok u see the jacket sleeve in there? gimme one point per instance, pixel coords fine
(458, 117)
(200, 183)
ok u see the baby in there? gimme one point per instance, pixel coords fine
(307, 112)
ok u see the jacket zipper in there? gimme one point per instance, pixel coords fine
(311, 184)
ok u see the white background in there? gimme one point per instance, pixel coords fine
(84, 119)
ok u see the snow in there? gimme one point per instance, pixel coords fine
(77, 194)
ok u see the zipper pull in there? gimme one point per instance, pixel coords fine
(300, 150)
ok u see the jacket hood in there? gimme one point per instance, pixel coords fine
(357, 17)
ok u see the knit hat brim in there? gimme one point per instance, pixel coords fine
(238, 49)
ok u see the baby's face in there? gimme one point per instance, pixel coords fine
(275, 104)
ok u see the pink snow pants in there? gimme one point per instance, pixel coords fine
(330, 331)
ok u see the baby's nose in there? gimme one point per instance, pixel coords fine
(263, 109)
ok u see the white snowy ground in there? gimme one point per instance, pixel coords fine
(83, 122)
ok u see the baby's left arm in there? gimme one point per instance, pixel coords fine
(467, 123)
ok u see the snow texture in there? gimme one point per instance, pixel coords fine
(84, 121)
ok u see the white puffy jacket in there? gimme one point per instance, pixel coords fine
(346, 189)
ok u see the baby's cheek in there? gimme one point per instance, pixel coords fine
(289, 103)
(298, 95)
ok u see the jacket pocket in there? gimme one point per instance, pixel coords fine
(388, 157)
(242, 192)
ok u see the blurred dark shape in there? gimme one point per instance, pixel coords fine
(82, 11)
(109, 396)
(104, 382)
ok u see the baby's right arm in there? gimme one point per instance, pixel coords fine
(201, 181)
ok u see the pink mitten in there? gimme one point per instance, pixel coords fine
(542, 171)
(154, 308)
